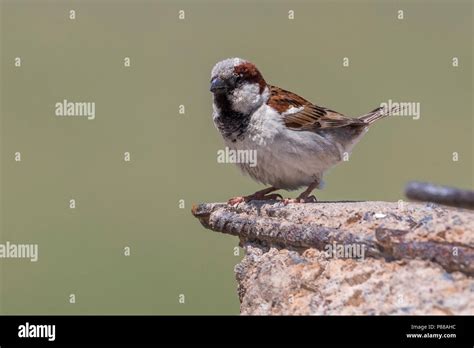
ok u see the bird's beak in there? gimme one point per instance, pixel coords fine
(217, 84)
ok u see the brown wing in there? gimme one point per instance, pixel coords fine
(300, 114)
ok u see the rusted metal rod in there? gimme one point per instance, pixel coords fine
(426, 192)
(276, 226)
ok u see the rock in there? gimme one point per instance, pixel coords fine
(350, 257)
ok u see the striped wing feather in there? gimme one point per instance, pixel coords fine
(307, 116)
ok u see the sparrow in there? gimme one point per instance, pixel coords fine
(296, 141)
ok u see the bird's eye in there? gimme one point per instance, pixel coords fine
(237, 78)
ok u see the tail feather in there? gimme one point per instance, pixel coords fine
(379, 113)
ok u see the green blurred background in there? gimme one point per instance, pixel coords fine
(136, 204)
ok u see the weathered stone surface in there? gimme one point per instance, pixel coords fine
(286, 282)
(417, 258)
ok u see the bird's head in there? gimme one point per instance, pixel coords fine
(240, 82)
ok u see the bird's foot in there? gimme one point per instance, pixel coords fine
(236, 200)
(254, 197)
(300, 199)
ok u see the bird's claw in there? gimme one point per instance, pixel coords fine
(310, 199)
(236, 200)
(241, 199)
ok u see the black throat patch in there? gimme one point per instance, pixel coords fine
(232, 124)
